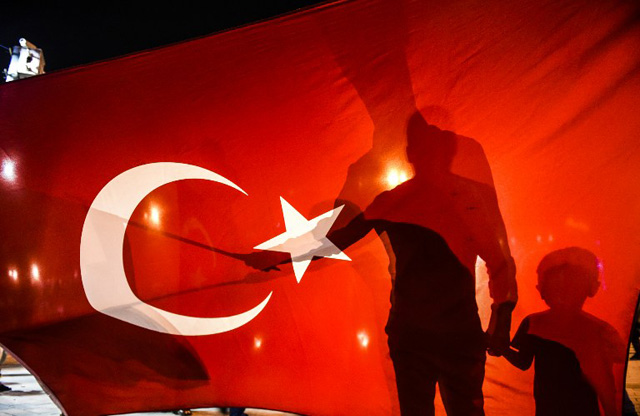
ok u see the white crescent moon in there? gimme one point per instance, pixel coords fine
(101, 260)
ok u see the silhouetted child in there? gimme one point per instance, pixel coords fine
(574, 351)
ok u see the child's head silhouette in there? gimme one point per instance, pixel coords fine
(567, 277)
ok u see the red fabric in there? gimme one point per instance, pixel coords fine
(312, 107)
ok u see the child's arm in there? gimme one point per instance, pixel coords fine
(520, 359)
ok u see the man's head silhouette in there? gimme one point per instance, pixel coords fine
(429, 149)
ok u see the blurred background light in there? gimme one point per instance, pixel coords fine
(8, 170)
(363, 338)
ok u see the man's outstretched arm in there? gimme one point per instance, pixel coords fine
(342, 238)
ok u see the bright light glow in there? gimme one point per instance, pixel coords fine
(35, 272)
(8, 170)
(257, 343)
(154, 216)
(550, 238)
(13, 273)
(539, 238)
(396, 176)
(363, 338)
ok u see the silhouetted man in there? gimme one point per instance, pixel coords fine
(435, 226)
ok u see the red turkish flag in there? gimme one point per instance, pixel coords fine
(532, 105)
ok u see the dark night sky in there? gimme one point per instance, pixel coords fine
(94, 31)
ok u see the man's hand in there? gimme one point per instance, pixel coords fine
(498, 343)
(265, 260)
(499, 328)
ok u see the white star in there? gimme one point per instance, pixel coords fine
(305, 239)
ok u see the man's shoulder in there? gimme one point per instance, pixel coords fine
(471, 162)
(386, 199)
